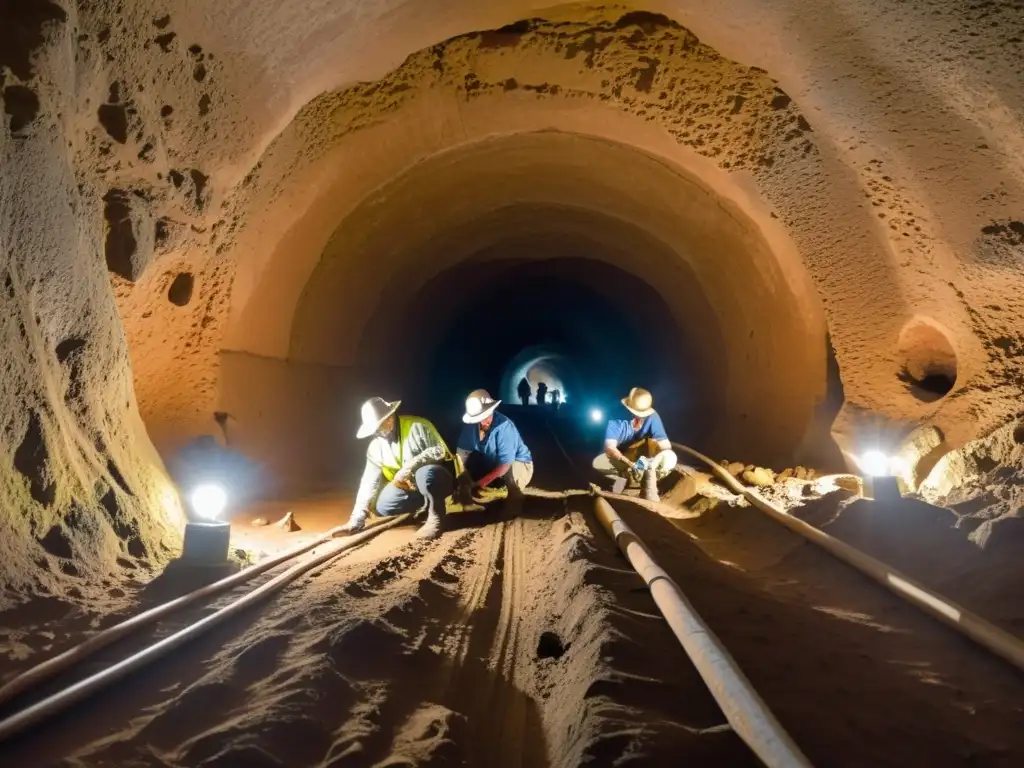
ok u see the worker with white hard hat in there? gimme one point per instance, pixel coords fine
(492, 450)
(646, 453)
(405, 468)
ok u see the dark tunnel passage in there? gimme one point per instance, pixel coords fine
(545, 364)
(466, 327)
(432, 284)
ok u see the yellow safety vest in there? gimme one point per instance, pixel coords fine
(390, 463)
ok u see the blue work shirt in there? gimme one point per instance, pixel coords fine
(622, 432)
(502, 443)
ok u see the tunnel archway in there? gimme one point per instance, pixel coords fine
(546, 363)
(743, 328)
(741, 320)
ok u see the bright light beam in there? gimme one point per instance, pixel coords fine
(209, 501)
(875, 464)
(596, 415)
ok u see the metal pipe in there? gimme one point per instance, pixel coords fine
(74, 693)
(47, 669)
(748, 715)
(983, 632)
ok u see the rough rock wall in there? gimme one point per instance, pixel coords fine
(82, 492)
(905, 206)
(862, 202)
(892, 151)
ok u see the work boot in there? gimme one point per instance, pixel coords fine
(434, 525)
(651, 486)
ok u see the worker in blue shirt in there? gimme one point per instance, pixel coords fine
(637, 448)
(491, 450)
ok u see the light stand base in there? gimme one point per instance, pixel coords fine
(883, 489)
(206, 543)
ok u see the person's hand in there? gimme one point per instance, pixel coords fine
(464, 494)
(405, 482)
(352, 526)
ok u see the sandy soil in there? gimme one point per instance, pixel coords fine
(529, 641)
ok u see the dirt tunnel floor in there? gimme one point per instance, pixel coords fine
(530, 642)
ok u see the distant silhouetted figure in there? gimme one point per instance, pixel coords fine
(542, 393)
(556, 398)
(525, 390)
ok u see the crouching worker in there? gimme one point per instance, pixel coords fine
(405, 468)
(492, 451)
(637, 448)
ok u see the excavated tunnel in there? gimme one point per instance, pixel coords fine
(234, 222)
(433, 283)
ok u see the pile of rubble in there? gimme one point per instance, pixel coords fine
(762, 477)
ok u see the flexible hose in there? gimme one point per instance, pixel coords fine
(981, 631)
(746, 712)
(74, 693)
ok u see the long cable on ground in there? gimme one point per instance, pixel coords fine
(47, 669)
(65, 698)
(746, 712)
(981, 631)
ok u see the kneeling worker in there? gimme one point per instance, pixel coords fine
(647, 455)
(491, 449)
(408, 454)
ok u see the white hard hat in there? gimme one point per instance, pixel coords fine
(639, 403)
(479, 405)
(375, 412)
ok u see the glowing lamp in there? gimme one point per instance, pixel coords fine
(875, 464)
(881, 470)
(208, 501)
(596, 415)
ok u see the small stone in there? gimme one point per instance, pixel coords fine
(849, 483)
(260, 521)
(758, 476)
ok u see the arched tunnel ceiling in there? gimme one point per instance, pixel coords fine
(702, 254)
(248, 153)
(872, 149)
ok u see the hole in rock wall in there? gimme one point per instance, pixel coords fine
(928, 360)
(180, 292)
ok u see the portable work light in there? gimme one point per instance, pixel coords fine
(208, 501)
(206, 542)
(881, 483)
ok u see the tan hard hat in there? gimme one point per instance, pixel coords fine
(375, 412)
(479, 405)
(639, 403)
